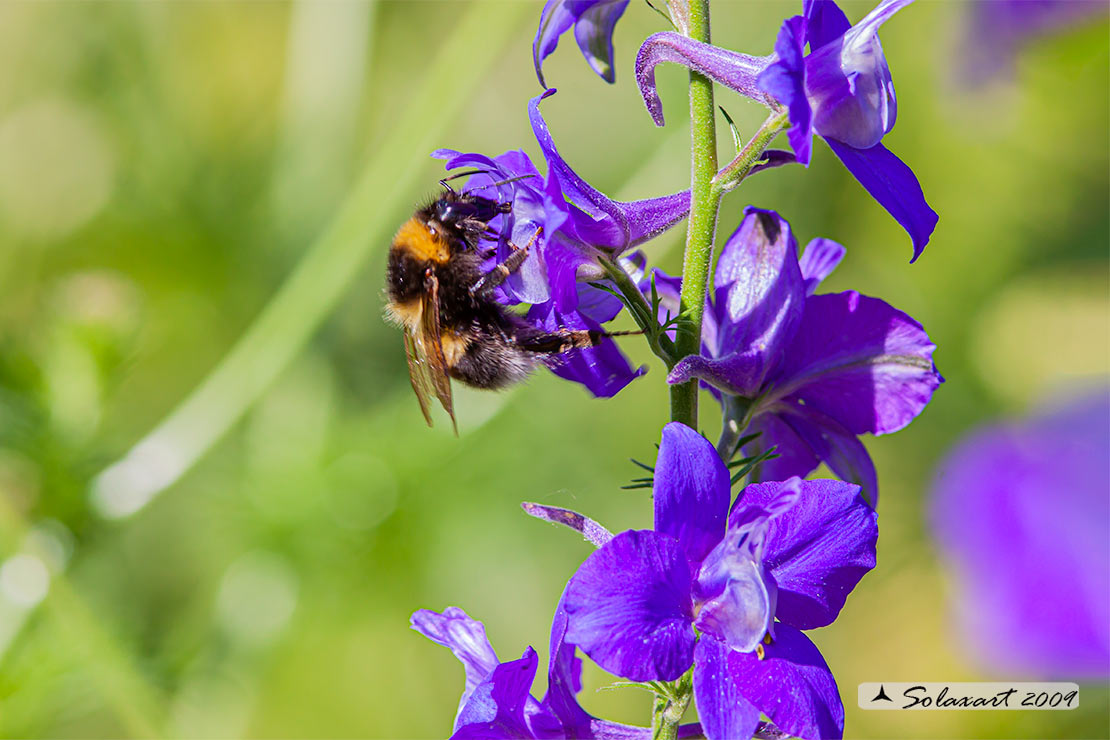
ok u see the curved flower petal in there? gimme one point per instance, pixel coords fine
(496, 708)
(629, 607)
(795, 456)
(792, 685)
(894, 186)
(1021, 512)
(603, 369)
(773, 158)
(594, 34)
(818, 550)
(785, 81)
(729, 68)
(593, 532)
(691, 491)
(737, 595)
(819, 259)
(825, 22)
(593, 22)
(595, 219)
(577, 190)
(849, 85)
(455, 630)
(827, 441)
(860, 361)
(759, 296)
(724, 713)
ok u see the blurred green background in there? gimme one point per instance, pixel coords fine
(201, 195)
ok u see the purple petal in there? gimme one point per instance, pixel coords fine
(577, 190)
(463, 636)
(593, 22)
(594, 533)
(736, 594)
(729, 68)
(564, 678)
(594, 34)
(771, 159)
(785, 81)
(819, 259)
(736, 597)
(691, 491)
(563, 259)
(825, 22)
(630, 610)
(826, 439)
(792, 685)
(1021, 513)
(818, 550)
(795, 457)
(724, 713)
(849, 85)
(649, 218)
(593, 219)
(894, 186)
(555, 20)
(496, 708)
(603, 369)
(861, 362)
(759, 296)
(562, 714)
(734, 374)
(530, 212)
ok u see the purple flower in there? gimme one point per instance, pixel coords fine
(1022, 513)
(496, 702)
(815, 371)
(782, 560)
(997, 29)
(569, 226)
(842, 91)
(593, 22)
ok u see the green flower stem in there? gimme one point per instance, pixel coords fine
(704, 203)
(736, 415)
(671, 702)
(642, 313)
(736, 170)
(327, 270)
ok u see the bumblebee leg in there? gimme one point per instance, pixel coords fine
(564, 340)
(502, 270)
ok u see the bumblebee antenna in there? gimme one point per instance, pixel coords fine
(457, 175)
(501, 182)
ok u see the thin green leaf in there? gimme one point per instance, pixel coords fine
(736, 138)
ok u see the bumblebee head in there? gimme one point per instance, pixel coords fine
(462, 210)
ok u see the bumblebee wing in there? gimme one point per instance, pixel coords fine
(433, 347)
(418, 375)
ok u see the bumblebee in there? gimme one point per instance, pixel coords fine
(438, 293)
